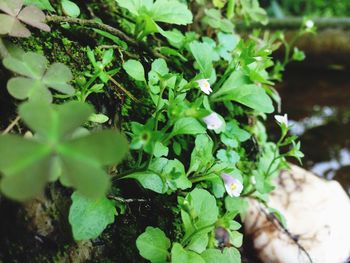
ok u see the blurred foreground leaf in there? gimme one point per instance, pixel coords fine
(28, 164)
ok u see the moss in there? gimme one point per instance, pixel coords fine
(57, 48)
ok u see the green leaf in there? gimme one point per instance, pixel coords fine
(202, 53)
(148, 180)
(52, 120)
(180, 255)
(232, 255)
(160, 150)
(98, 118)
(131, 5)
(238, 88)
(42, 4)
(188, 125)
(28, 164)
(25, 165)
(236, 205)
(89, 217)
(159, 66)
(38, 78)
(107, 147)
(30, 64)
(57, 76)
(229, 255)
(199, 242)
(172, 172)
(134, 69)
(172, 12)
(202, 154)
(84, 174)
(70, 8)
(201, 212)
(204, 206)
(228, 156)
(298, 55)
(153, 245)
(167, 11)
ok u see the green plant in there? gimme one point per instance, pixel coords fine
(37, 77)
(59, 150)
(203, 93)
(148, 13)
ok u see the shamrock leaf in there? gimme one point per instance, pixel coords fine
(11, 21)
(37, 77)
(27, 164)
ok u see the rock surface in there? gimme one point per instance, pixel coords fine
(317, 213)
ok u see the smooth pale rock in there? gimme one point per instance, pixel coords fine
(318, 219)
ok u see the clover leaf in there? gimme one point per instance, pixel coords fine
(57, 152)
(14, 14)
(37, 77)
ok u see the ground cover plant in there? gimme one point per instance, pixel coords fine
(166, 104)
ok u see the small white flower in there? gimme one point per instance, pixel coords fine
(258, 59)
(282, 119)
(233, 186)
(309, 24)
(213, 121)
(204, 85)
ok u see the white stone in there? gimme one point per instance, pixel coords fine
(317, 214)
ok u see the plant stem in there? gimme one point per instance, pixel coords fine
(123, 89)
(12, 124)
(104, 27)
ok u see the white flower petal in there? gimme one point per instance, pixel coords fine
(233, 186)
(282, 119)
(213, 121)
(309, 24)
(204, 85)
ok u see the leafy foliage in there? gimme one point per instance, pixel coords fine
(147, 13)
(37, 77)
(204, 95)
(55, 152)
(70, 8)
(41, 4)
